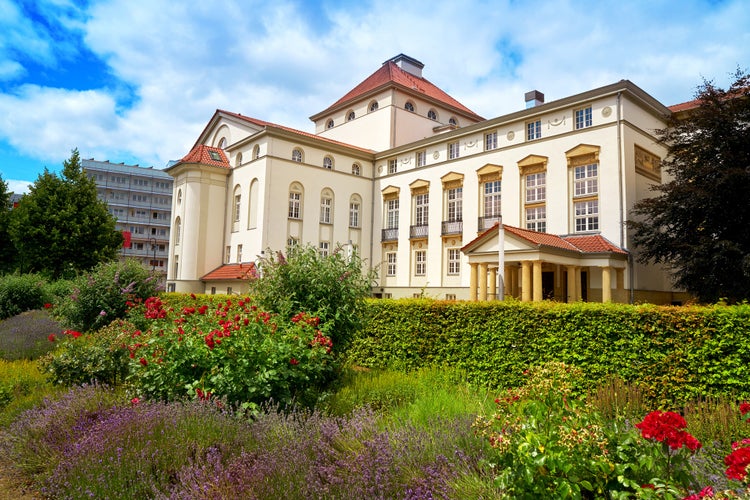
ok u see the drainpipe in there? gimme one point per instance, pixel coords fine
(621, 174)
(372, 217)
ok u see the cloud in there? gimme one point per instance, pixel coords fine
(19, 187)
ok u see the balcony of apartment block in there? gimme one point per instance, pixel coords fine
(418, 231)
(389, 234)
(452, 227)
(488, 221)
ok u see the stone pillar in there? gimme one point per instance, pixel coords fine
(473, 282)
(537, 281)
(482, 281)
(509, 280)
(606, 284)
(526, 281)
(493, 283)
(579, 295)
(571, 284)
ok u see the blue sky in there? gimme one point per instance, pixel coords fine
(135, 82)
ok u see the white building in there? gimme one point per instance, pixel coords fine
(420, 185)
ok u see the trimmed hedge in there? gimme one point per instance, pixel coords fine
(673, 353)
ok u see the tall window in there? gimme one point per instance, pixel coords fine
(326, 202)
(454, 261)
(227, 254)
(583, 117)
(295, 202)
(356, 170)
(421, 158)
(236, 210)
(455, 204)
(390, 269)
(256, 152)
(391, 209)
(297, 155)
(536, 219)
(421, 209)
(536, 187)
(392, 166)
(491, 199)
(328, 163)
(453, 150)
(324, 248)
(420, 263)
(587, 215)
(586, 180)
(533, 130)
(354, 207)
(490, 141)
(239, 253)
(177, 230)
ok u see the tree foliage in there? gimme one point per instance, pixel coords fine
(60, 227)
(7, 250)
(698, 224)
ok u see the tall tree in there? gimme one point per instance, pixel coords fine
(698, 224)
(61, 227)
(7, 250)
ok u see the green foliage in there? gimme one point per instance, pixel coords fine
(60, 227)
(673, 354)
(228, 349)
(686, 226)
(96, 357)
(7, 250)
(102, 296)
(332, 288)
(19, 293)
(25, 336)
(22, 386)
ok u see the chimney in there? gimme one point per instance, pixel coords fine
(533, 98)
(408, 64)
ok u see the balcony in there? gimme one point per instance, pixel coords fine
(487, 222)
(389, 234)
(452, 227)
(417, 232)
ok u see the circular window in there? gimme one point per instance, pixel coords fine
(373, 105)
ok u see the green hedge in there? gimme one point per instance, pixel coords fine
(673, 353)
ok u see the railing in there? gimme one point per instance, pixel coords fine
(489, 221)
(452, 227)
(418, 231)
(389, 234)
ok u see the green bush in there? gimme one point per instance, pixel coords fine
(22, 292)
(332, 288)
(102, 296)
(25, 335)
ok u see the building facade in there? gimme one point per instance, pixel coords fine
(140, 199)
(441, 201)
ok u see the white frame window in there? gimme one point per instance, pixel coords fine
(534, 130)
(295, 204)
(421, 209)
(586, 215)
(583, 118)
(393, 165)
(354, 208)
(390, 259)
(454, 150)
(490, 141)
(536, 219)
(492, 198)
(391, 210)
(326, 207)
(350, 116)
(454, 261)
(227, 254)
(536, 187)
(409, 106)
(328, 163)
(324, 248)
(356, 169)
(297, 155)
(586, 180)
(239, 253)
(420, 262)
(432, 115)
(455, 204)
(421, 158)
(236, 211)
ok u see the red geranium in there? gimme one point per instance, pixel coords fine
(737, 463)
(744, 407)
(667, 427)
(51, 337)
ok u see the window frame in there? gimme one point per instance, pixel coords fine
(420, 262)
(454, 262)
(297, 155)
(295, 205)
(584, 183)
(393, 165)
(421, 209)
(583, 118)
(454, 150)
(454, 204)
(490, 141)
(390, 268)
(326, 208)
(588, 221)
(391, 211)
(534, 130)
(492, 198)
(536, 223)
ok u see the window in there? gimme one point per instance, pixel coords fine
(227, 254)
(392, 166)
(295, 201)
(536, 219)
(390, 269)
(324, 248)
(453, 150)
(177, 230)
(391, 209)
(450, 296)
(328, 163)
(420, 263)
(215, 156)
(534, 130)
(421, 158)
(454, 261)
(239, 253)
(179, 196)
(236, 211)
(583, 118)
(292, 242)
(455, 204)
(297, 155)
(354, 206)
(421, 209)
(536, 187)
(238, 160)
(326, 203)
(329, 124)
(256, 152)
(490, 141)
(229, 290)
(586, 180)
(223, 143)
(356, 170)
(409, 106)
(432, 115)
(453, 121)
(350, 116)
(587, 215)
(492, 199)
(374, 106)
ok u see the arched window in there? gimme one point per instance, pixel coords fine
(179, 197)
(329, 124)
(453, 121)
(256, 152)
(238, 160)
(409, 106)
(223, 143)
(374, 106)
(295, 201)
(432, 114)
(356, 170)
(326, 207)
(355, 208)
(297, 155)
(350, 116)
(177, 230)
(237, 202)
(328, 163)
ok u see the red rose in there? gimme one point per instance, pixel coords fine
(51, 337)
(143, 361)
(744, 407)
(293, 361)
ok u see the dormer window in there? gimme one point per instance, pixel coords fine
(350, 116)
(215, 156)
(374, 106)
(432, 115)
(409, 106)
(329, 124)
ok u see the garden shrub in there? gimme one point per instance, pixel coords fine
(22, 292)
(332, 288)
(102, 296)
(24, 336)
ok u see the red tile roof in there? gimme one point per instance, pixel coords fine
(391, 73)
(202, 154)
(594, 244)
(242, 271)
(541, 239)
(684, 106)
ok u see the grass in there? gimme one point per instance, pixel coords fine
(24, 336)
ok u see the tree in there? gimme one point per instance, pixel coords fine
(7, 250)
(698, 224)
(61, 227)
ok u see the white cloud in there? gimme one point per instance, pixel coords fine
(19, 187)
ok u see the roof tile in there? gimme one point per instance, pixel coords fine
(241, 271)
(206, 155)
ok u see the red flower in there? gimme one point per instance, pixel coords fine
(72, 333)
(51, 337)
(737, 463)
(143, 361)
(293, 361)
(744, 407)
(667, 427)
(135, 401)
(47, 305)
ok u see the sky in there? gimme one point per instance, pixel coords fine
(136, 81)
